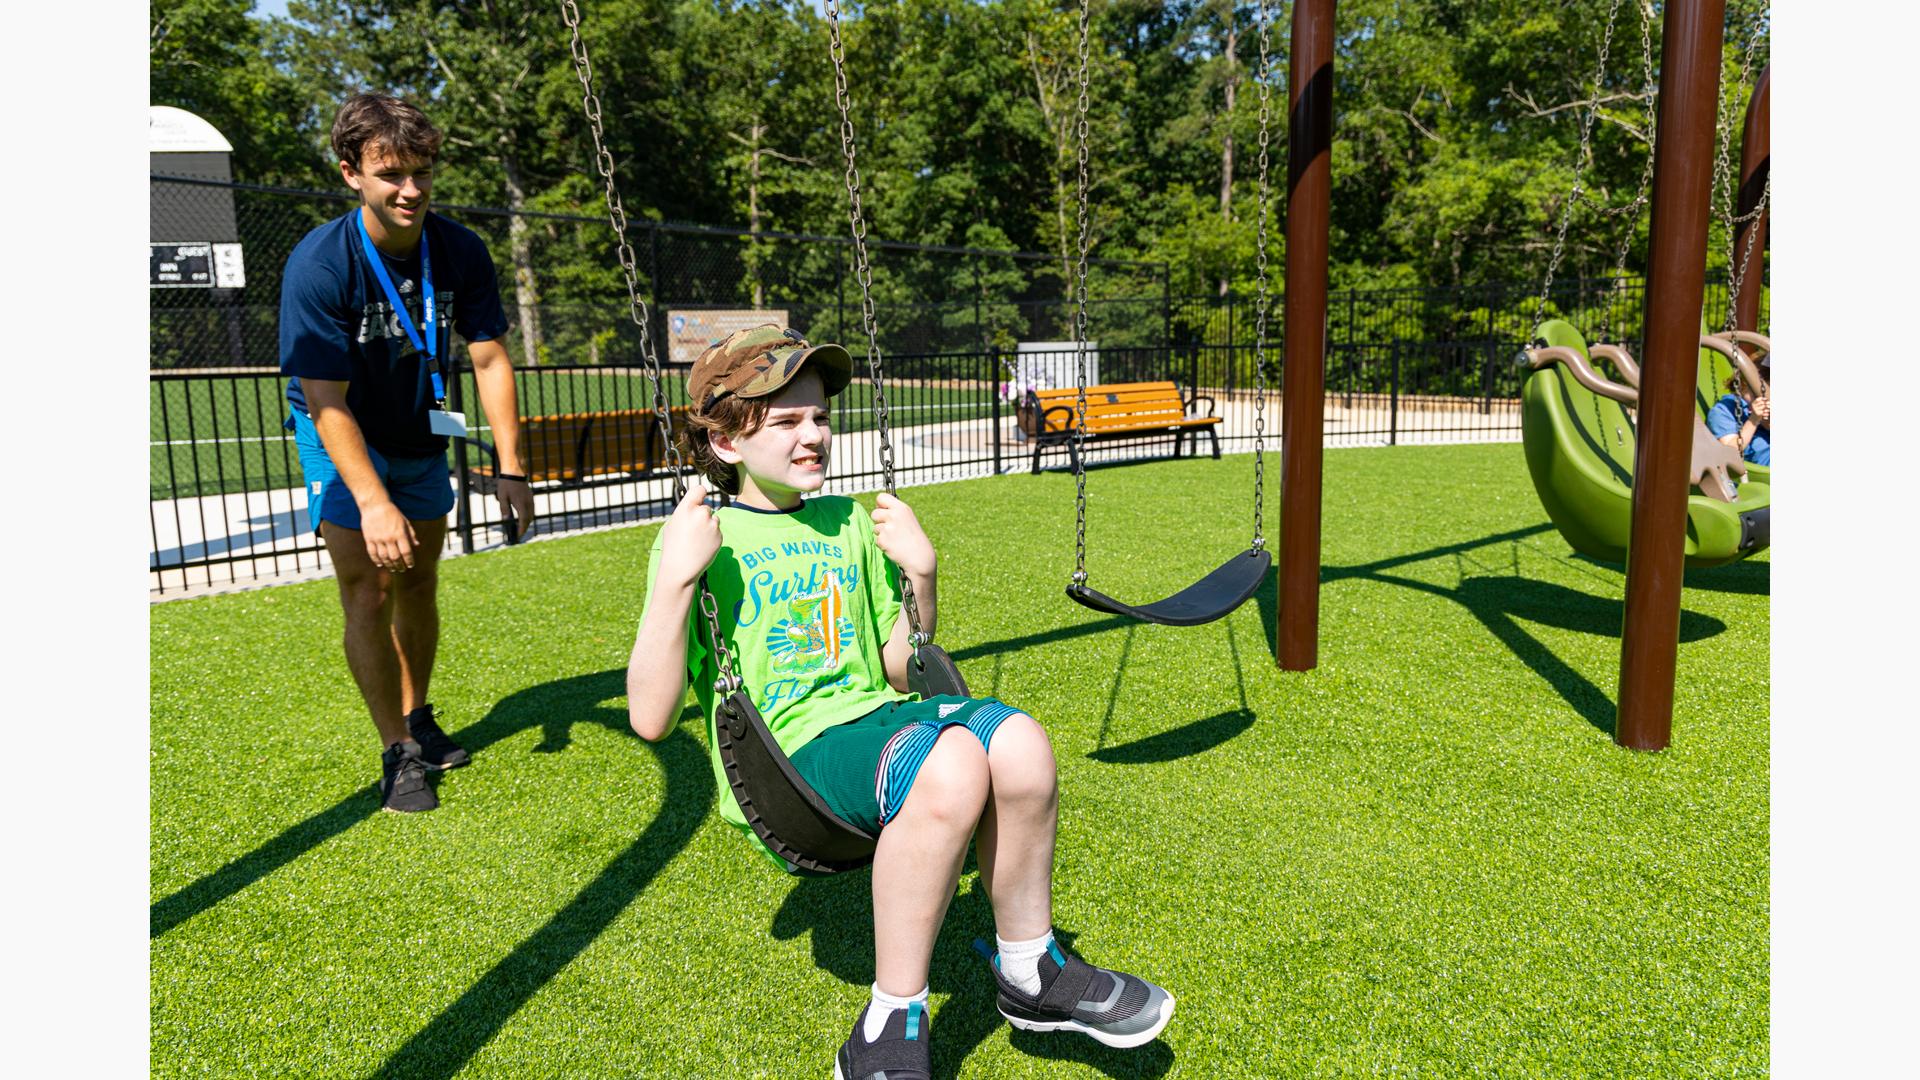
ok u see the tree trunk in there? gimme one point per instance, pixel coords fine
(1064, 151)
(1226, 144)
(526, 290)
(753, 214)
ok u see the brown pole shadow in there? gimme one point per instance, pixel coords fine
(554, 707)
(450, 1040)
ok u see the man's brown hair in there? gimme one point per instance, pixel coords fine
(378, 122)
(731, 416)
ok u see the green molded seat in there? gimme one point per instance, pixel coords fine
(1580, 449)
(1715, 370)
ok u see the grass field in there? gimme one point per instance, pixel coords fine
(1424, 858)
(219, 435)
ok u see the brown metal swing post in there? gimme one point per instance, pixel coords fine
(1754, 170)
(1676, 288)
(1303, 380)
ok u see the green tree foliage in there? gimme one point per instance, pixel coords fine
(209, 58)
(1457, 130)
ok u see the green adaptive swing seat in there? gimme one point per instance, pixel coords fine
(1715, 370)
(1580, 449)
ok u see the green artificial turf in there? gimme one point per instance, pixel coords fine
(1425, 857)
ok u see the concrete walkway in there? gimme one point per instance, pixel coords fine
(266, 538)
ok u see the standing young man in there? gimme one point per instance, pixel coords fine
(366, 306)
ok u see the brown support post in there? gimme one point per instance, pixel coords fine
(1676, 288)
(1754, 159)
(1303, 383)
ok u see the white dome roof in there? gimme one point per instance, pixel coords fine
(177, 131)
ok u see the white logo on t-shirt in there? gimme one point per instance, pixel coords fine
(947, 710)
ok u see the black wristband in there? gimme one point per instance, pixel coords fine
(509, 476)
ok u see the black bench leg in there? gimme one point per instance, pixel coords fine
(1215, 436)
(1038, 443)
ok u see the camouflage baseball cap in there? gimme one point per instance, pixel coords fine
(760, 360)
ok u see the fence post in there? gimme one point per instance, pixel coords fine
(1233, 344)
(1393, 406)
(463, 514)
(653, 277)
(1193, 362)
(1486, 360)
(993, 391)
(1166, 309)
(840, 299)
(979, 328)
(1350, 354)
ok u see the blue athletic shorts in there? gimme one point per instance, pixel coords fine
(422, 487)
(864, 768)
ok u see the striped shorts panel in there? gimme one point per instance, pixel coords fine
(901, 758)
(865, 768)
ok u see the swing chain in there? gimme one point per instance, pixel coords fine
(1641, 196)
(1740, 275)
(1080, 321)
(863, 273)
(629, 262)
(1260, 310)
(1725, 185)
(642, 317)
(1579, 165)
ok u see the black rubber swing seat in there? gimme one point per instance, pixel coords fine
(1203, 601)
(780, 807)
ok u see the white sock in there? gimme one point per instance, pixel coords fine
(1020, 960)
(885, 1004)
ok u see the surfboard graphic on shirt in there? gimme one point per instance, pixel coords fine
(815, 632)
(830, 616)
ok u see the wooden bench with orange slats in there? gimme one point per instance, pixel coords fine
(1116, 411)
(575, 449)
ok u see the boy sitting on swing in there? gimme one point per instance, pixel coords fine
(810, 609)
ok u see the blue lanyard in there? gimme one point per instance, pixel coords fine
(400, 309)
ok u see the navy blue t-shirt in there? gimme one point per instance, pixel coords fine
(335, 323)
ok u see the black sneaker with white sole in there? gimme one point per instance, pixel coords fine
(1110, 1006)
(436, 750)
(403, 779)
(900, 1053)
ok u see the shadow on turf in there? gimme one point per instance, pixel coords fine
(1499, 601)
(553, 707)
(445, 1045)
(1194, 737)
(1188, 739)
(1748, 578)
(835, 913)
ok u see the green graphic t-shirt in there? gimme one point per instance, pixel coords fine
(806, 601)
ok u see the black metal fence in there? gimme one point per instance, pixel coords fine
(561, 284)
(228, 505)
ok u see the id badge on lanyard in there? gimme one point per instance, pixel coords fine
(439, 420)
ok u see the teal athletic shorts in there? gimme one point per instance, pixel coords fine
(421, 487)
(864, 768)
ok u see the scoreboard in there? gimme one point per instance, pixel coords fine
(196, 266)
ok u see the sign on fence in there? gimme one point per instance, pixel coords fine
(196, 266)
(690, 332)
(1047, 365)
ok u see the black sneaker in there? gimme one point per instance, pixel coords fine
(1111, 1006)
(403, 779)
(436, 750)
(900, 1053)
